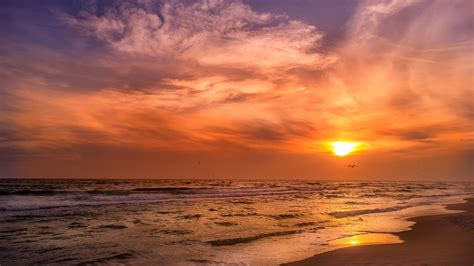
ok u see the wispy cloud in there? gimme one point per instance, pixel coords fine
(209, 32)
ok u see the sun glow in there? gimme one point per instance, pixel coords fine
(343, 148)
(354, 242)
(365, 239)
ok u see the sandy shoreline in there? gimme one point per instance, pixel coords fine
(434, 240)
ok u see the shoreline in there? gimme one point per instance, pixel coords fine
(445, 239)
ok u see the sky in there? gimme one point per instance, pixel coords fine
(237, 89)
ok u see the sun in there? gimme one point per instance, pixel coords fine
(343, 148)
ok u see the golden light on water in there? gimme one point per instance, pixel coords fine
(343, 148)
(354, 242)
(366, 239)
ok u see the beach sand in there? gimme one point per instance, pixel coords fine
(434, 240)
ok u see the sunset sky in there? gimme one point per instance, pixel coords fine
(237, 89)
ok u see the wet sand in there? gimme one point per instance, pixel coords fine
(434, 240)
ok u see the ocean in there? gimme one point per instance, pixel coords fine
(202, 222)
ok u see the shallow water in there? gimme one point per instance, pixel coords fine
(183, 222)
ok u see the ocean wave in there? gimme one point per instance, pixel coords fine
(31, 200)
(345, 214)
(111, 227)
(120, 257)
(169, 189)
(285, 216)
(33, 192)
(45, 194)
(241, 240)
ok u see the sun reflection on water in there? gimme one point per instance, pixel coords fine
(366, 239)
(354, 242)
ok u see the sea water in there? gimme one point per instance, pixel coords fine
(198, 222)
